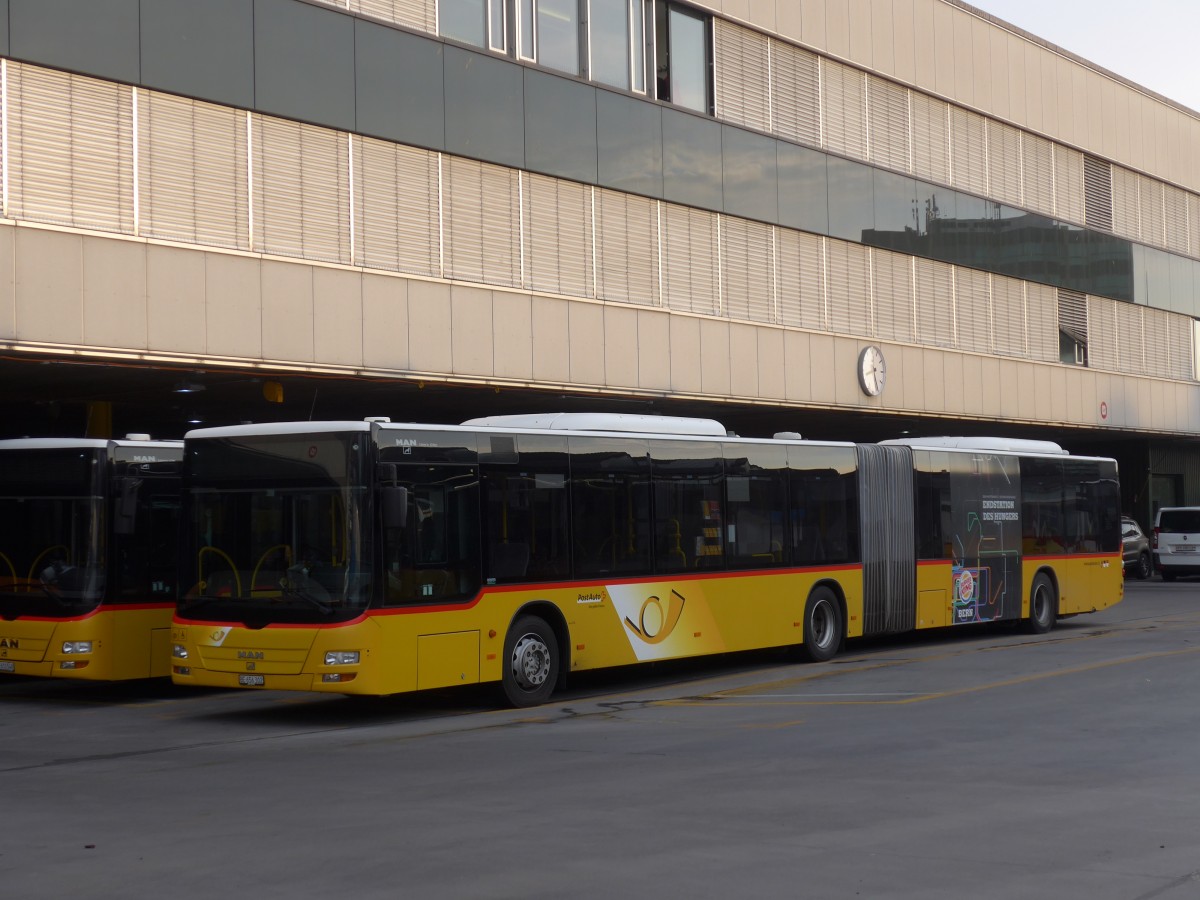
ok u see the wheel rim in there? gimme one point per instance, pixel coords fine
(530, 663)
(822, 623)
(1144, 566)
(1041, 603)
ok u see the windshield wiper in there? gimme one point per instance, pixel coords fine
(298, 584)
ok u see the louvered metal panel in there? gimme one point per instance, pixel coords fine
(1037, 173)
(193, 176)
(973, 309)
(1004, 155)
(1008, 316)
(1175, 209)
(1151, 213)
(1041, 322)
(968, 151)
(742, 85)
(301, 190)
(558, 237)
(936, 324)
(418, 14)
(885, 491)
(690, 254)
(843, 109)
(70, 150)
(748, 270)
(1103, 353)
(627, 248)
(795, 93)
(1073, 319)
(930, 138)
(1126, 205)
(396, 200)
(892, 279)
(1180, 342)
(849, 272)
(1098, 193)
(1131, 348)
(1158, 346)
(1193, 225)
(481, 212)
(1069, 200)
(801, 271)
(887, 124)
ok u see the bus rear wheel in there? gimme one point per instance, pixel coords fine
(1043, 605)
(823, 627)
(531, 662)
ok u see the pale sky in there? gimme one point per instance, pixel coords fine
(1151, 42)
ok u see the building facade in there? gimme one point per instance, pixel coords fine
(721, 204)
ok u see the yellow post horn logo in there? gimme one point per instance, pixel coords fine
(657, 631)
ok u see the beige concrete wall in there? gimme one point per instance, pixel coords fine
(86, 290)
(963, 56)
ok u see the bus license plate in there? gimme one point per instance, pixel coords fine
(251, 680)
(7, 666)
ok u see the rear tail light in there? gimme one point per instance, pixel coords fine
(1154, 539)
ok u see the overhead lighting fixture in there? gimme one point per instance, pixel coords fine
(187, 387)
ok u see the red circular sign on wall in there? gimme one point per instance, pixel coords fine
(1103, 409)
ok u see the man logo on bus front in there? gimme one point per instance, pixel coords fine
(654, 623)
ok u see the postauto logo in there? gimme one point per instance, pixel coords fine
(657, 619)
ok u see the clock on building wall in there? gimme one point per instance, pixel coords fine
(872, 371)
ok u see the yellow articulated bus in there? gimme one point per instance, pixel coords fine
(88, 542)
(377, 558)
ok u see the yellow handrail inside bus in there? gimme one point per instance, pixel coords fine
(37, 559)
(287, 558)
(11, 567)
(225, 556)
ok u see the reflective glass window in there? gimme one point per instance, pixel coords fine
(691, 152)
(497, 27)
(610, 506)
(748, 164)
(629, 144)
(526, 43)
(688, 520)
(610, 42)
(558, 35)
(851, 199)
(463, 20)
(897, 217)
(756, 505)
(1181, 285)
(803, 188)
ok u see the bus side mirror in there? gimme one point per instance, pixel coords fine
(394, 502)
(125, 490)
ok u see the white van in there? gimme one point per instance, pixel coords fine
(1176, 541)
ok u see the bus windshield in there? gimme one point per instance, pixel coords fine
(276, 530)
(51, 532)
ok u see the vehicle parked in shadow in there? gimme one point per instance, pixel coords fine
(1135, 549)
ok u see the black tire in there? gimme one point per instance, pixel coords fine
(1142, 570)
(1043, 605)
(531, 662)
(1168, 575)
(823, 626)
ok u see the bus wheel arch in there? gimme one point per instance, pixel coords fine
(535, 654)
(824, 622)
(1043, 602)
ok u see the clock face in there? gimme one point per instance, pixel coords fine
(872, 371)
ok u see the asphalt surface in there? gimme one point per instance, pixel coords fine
(976, 763)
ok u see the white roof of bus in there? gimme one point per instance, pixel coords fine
(227, 431)
(1012, 445)
(70, 443)
(620, 422)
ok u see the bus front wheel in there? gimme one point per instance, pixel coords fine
(530, 662)
(822, 626)
(1043, 605)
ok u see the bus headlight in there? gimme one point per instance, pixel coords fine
(341, 657)
(77, 647)
(179, 651)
